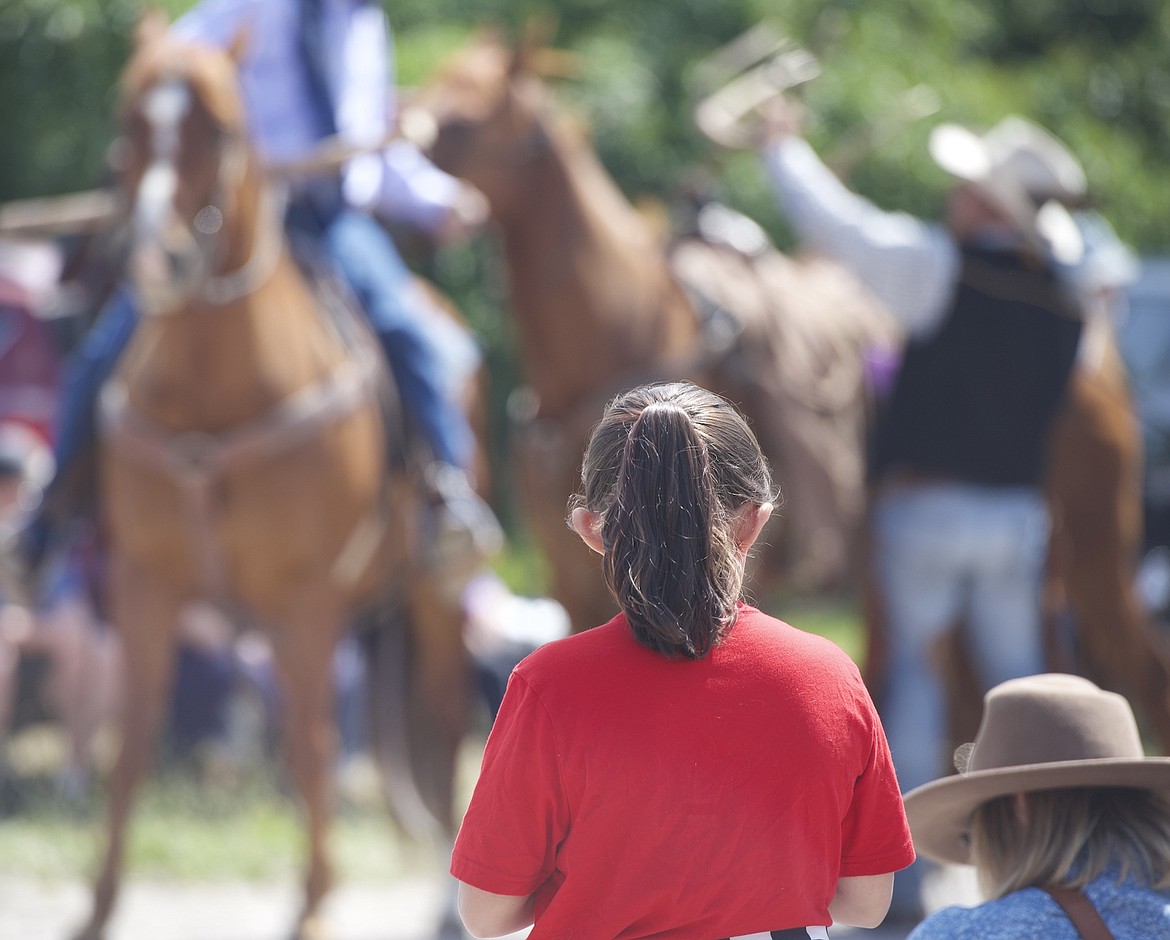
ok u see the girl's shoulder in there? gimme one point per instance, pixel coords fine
(579, 649)
(795, 646)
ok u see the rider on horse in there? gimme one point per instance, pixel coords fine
(315, 68)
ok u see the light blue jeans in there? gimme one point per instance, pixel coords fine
(947, 553)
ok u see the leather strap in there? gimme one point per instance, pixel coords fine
(1082, 913)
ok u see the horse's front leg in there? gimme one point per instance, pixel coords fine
(303, 644)
(145, 613)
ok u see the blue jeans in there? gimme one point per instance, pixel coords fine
(944, 553)
(368, 262)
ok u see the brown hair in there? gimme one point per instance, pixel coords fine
(1068, 837)
(666, 469)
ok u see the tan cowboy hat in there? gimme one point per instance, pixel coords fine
(1041, 732)
(1025, 171)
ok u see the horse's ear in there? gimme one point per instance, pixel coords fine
(538, 32)
(238, 47)
(152, 25)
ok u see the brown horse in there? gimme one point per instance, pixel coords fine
(1095, 491)
(601, 305)
(244, 459)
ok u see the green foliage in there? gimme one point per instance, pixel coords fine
(58, 61)
(1092, 70)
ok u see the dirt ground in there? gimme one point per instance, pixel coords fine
(403, 910)
(406, 910)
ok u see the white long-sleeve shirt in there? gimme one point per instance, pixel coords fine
(398, 181)
(912, 266)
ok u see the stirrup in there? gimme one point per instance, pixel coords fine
(462, 533)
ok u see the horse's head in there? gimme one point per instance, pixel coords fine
(485, 118)
(187, 172)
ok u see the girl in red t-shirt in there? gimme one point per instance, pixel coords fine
(693, 768)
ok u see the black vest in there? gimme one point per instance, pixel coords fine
(975, 400)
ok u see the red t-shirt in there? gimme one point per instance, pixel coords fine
(643, 796)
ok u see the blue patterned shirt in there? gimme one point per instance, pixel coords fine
(1131, 910)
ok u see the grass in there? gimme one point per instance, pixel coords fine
(837, 618)
(185, 829)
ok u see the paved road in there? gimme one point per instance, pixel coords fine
(403, 910)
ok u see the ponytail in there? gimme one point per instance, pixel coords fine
(666, 483)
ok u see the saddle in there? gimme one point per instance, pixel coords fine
(343, 313)
(796, 334)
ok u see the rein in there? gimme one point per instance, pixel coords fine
(196, 459)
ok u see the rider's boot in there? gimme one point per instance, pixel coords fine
(461, 533)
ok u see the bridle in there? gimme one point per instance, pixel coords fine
(223, 289)
(165, 245)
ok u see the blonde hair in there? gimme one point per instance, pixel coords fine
(1068, 837)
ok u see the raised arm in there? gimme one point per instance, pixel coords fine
(909, 264)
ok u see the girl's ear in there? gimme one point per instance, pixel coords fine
(588, 525)
(749, 522)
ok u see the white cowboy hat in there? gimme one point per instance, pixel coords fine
(1026, 172)
(1043, 732)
